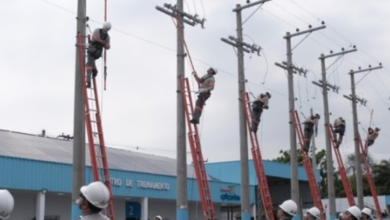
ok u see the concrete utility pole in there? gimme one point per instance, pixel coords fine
(329, 156)
(293, 140)
(353, 97)
(181, 156)
(79, 117)
(241, 48)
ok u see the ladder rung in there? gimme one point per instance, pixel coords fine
(92, 110)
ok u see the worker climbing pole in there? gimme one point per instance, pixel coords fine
(206, 84)
(94, 127)
(364, 153)
(306, 162)
(342, 172)
(185, 104)
(257, 160)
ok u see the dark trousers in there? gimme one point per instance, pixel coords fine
(91, 67)
(202, 97)
(338, 130)
(308, 133)
(256, 114)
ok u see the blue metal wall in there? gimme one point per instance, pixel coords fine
(27, 174)
(272, 169)
(387, 200)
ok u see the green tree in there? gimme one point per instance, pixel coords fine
(321, 165)
(351, 163)
(380, 174)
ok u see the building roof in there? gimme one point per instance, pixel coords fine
(21, 145)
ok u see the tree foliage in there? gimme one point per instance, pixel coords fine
(380, 173)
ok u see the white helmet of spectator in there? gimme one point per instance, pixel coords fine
(355, 211)
(6, 204)
(367, 211)
(106, 26)
(290, 207)
(158, 217)
(315, 212)
(97, 194)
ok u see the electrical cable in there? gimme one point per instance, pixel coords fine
(196, 11)
(188, 7)
(290, 13)
(334, 62)
(301, 41)
(278, 17)
(383, 100)
(204, 12)
(252, 14)
(380, 80)
(266, 64)
(299, 93)
(362, 78)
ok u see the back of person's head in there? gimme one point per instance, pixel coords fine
(6, 204)
(315, 212)
(355, 212)
(289, 208)
(367, 212)
(97, 196)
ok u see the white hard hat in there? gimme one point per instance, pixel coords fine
(158, 217)
(106, 26)
(6, 204)
(215, 70)
(315, 212)
(289, 206)
(97, 194)
(355, 211)
(367, 211)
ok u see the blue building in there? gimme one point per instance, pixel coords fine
(38, 172)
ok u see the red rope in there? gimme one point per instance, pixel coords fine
(184, 42)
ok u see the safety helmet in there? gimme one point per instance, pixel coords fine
(6, 204)
(215, 70)
(97, 194)
(315, 212)
(158, 217)
(106, 26)
(355, 211)
(289, 206)
(367, 211)
(268, 94)
(318, 116)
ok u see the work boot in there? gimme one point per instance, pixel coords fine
(88, 84)
(196, 116)
(254, 128)
(194, 121)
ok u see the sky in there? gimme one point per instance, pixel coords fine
(37, 60)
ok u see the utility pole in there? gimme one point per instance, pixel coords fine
(354, 99)
(181, 156)
(79, 118)
(293, 139)
(329, 156)
(241, 48)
